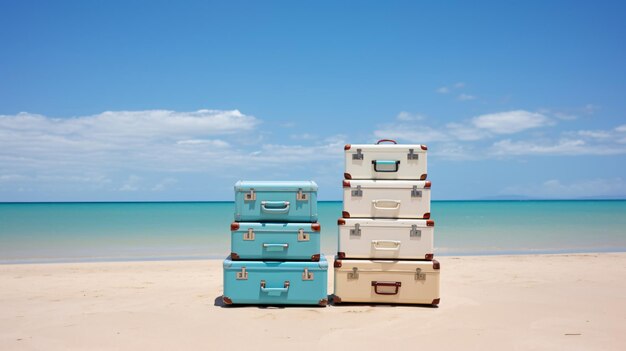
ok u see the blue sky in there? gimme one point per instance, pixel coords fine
(161, 100)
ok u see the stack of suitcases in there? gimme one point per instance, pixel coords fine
(385, 252)
(275, 246)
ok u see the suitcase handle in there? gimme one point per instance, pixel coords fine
(275, 206)
(394, 242)
(376, 163)
(282, 246)
(386, 140)
(378, 207)
(396, 285)
(278, 290)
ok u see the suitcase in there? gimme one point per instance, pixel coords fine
(386, 199)
(384, 161)
(414, 282)
(275, 282)
(386, 238)
(275, 241)
(287, 201)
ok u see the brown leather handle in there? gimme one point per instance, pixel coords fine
(396, 285)
(386, 140)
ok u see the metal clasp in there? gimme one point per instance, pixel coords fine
(415, 233)
(356, 231)
(302, 236)
(354, 274)
(243, 275)
(415, 192)
(357, 191)
(419, 275)
(250, 196)
(412, 155)
(358, 155)
(306, 275)
(302, 196)
(249, 235)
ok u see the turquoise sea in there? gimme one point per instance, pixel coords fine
(62, 232)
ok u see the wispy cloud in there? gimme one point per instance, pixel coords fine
(555, 188)
(511, 121)
(466, 97)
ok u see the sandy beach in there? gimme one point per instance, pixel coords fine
(534, 302)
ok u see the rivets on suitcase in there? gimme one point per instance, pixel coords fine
(358, 155)
(249, 235)
(412, 155)
(243, 275)
(306, 275)
(419, 275)
(356, 231)
(250, 196)
(357, 191)
(415, 233)
(301, 196)
(302, 236)
(415, 192)
(354, 274)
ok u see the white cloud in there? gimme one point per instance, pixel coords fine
(131, 184)
(418, 135)
(443, 90)
(591, 108)
(621, 129)
(466, 132)
(510, 122)
(562, 147)
(596, 134)
(152, 139)
(407, 116)
(459, 85)
(163, 184)
(466, 97)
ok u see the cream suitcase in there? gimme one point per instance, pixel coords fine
(415, 282)
(384, 161)
(385, 238)
(386, 199)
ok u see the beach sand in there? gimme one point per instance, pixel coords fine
(533, 302)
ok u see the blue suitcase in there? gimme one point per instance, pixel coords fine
(275, 241)
(288, 201)
(275, 282)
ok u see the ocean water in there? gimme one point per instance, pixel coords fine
(62, 232)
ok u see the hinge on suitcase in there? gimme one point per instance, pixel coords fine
(419, 275)
(243, 275)
(356, 231)
(412, 155)
(415, 192)
(249, 235)
(306, 275)
(302, 196)
(358, 155)
(250, 196)
(354, 274)
(357, 191)
(415, 233)
(302, 236)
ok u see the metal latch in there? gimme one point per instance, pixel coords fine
(358, 155)
(415, 233)
(250, 196)
(302, 196)
(249, 235)
(357, 191)
(243, 275)
(415, 192)
(306, 275)
(412, 155)
(419, 275)
(354, 274)
(302, 236)
(356, 231)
